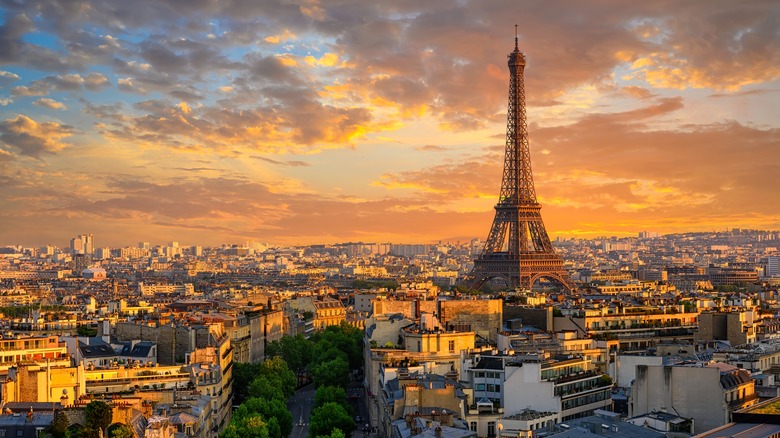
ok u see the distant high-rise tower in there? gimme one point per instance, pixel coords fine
(82, 244)
(518, 249)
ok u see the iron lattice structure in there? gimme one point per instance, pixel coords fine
(518, 249)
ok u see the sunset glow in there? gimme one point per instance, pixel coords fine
(351, 120)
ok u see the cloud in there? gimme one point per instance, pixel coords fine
(32, 138)
(753, 92)
(50, 104)
(290, 163)
(614, 133)
(6, 77)
(68, 82)
(431, 148)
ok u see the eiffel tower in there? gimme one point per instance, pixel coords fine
(518, 249)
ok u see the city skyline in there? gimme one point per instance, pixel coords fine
(325, 122)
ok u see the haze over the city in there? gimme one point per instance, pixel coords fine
(316, 122)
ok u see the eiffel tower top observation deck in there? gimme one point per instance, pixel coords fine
(518, 249)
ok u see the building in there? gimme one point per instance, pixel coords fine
(430, 337)
(28, 425)
(483, 317)
(705, 394)
(631, 328)
(35, 349)
(43, 383)
(773, 266)
(564, 384)
(736, 327)
(82, 244)
(328, 312)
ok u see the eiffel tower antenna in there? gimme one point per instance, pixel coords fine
(518, 249)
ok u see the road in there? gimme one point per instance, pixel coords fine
(357, 398)
(300, 405)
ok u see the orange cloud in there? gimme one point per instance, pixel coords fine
(32, 138)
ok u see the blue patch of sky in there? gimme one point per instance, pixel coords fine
(658, 23)
(43, 39)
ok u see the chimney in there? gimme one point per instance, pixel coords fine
(438, 432)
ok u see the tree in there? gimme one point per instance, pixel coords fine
(98, 415)
(328, 417)
(85, 330)
(337, 433)
(251, 426)
(331, 394)
(276, 370)
(295, 350)
(59, 426)
(243, 375)
(269, 409)
(334, 372)
(325, 351)
(263, 387)
(346, 339)
(120, 431)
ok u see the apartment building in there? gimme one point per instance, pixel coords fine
(708, 394)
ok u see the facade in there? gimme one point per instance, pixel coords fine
(211, 370)
(483, 317)
(566, 385)
(44, 383)
(328, 312)
(736, 327)
(705, 394)
(419, 340)
(630, 329)
(773, 266)
(38, 349)
(421, 395)
(117, 380)
(732, 276)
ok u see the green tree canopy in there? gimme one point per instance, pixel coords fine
(277, 371)
(337, 433)
(85, 330)
(295, 350)
(325, 351)
(98, 415)
(243, 375)
(269, 409)
(346, 339)
(263, 387)
(334, 394)
(328, 417)
(59, 425)
(334, 372)
(250, 426)
(120, 431)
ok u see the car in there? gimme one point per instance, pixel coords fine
(358, 419)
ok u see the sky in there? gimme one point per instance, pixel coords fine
(306, 121)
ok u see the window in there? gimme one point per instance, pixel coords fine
(480, 387)
(452, 345)
(472, 426)
(480, 374)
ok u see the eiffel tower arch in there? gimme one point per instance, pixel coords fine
(518, 249)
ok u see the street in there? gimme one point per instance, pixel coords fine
(300, 405)
(357, 399)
